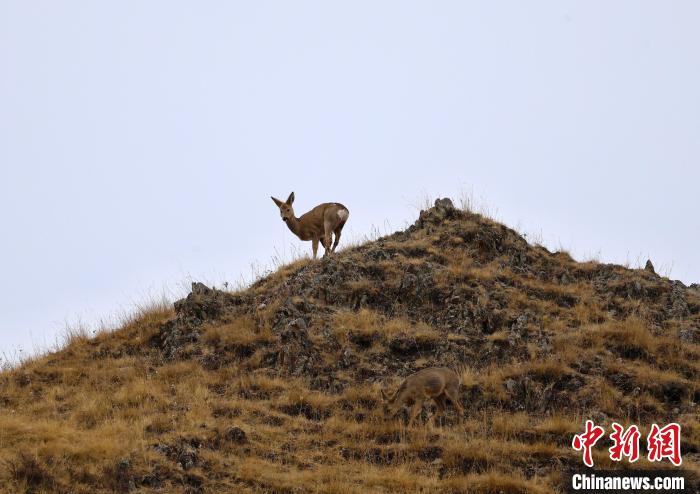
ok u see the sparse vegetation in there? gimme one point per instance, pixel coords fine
(276, 388)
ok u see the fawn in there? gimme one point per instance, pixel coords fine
(316, 225)
(436, 383)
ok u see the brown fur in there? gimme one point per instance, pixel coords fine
(434, 383)
(318, 225)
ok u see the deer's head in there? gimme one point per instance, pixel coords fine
(390, 407)
(286, 210)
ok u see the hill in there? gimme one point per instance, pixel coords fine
(275, 388)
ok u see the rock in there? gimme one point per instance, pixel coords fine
(485, 318)
(295, 330)
(518, 260)
(690, 334)
(431, 454)
(363, 339)
(402, 345)
(378, 254)
(298, 323)
(202, 304)
(444, 204)
(184, 452)
(291, 314)
(672, 392)
(154, 479)
(172, 337)
(444, 208)
(408, 282)
(678, 305)
(638, 289)
(519, 328)
(348, 358)
(187, 459)
(649, 266)
(236, 435)
(297, 353)
(420, 285)
(200, 288)
(328, 383)
(23, 379)
(122, 476)
(211, 361)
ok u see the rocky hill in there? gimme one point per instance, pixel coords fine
(276, 388)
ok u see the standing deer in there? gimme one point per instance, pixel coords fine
(316, 225)
(436, 383)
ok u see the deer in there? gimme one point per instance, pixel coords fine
(437, 383)
(318, 225)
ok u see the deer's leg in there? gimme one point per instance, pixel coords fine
(314, 246)
(327, 230)
(440, 404)
(452, 393)
(337, 238)
(415, 411)
(337, 231)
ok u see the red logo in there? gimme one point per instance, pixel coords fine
(587, 440)
(665, 443)
(662, 443)
(625, 444)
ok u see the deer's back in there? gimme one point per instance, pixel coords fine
(314, 218)
(431, 381)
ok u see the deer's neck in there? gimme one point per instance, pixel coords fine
(294, 225)
(396, 402)
(399, 397)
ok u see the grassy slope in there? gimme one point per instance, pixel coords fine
(295, 364)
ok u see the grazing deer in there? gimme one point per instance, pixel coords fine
(316, 225)
(436, 383)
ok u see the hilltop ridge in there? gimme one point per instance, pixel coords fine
(275, 388)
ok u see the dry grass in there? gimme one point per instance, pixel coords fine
(538, 344)
(243, 332)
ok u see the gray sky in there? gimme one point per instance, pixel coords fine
(140, 141)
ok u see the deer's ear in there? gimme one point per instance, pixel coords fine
(290, 199)
(277, 201)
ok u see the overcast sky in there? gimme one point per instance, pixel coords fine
(140, 141)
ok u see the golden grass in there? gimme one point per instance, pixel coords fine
(72, 420)
(244, 331)
(287, 423)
